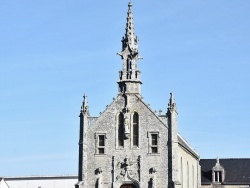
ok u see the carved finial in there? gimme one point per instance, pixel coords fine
(217, 160)
(85, 99)
(172, 105)
(171, 100)
(218, 166)
(85, 107)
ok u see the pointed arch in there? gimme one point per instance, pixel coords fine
(136, 129)
(121, 129)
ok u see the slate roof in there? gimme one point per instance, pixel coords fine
(237, 171)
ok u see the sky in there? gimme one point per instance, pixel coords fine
(52, 52)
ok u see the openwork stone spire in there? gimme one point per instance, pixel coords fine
(130, 38)
(129, 76)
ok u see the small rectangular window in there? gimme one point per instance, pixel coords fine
(154, 150)
(154, 139)
(101, 150)
(101, 140)
(153, 142)
(100, 143)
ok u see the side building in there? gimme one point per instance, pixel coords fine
(129, 145)
(61, 181)
(225, 173)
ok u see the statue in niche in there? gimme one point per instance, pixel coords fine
(126, 127)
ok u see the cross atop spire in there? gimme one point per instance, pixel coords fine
(129, 77)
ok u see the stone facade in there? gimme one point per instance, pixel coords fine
(128, 163)
(129, 145)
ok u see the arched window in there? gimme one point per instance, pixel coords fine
(136, 129)
(121, 130)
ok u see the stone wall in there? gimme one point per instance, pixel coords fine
(127, 164)
(189, 173)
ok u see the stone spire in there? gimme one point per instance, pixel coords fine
(84, 107)
(130, 39)
(129, 76)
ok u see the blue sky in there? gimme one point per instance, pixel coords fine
(51, 52)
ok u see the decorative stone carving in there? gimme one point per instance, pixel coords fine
(99, 170)
(129, 170)
(152, 170)
(126, 126)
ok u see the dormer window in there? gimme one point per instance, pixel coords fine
(218, 173)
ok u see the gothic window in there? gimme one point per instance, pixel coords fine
(136, 129)
(153, 142)
(100, 143)
(121, 130)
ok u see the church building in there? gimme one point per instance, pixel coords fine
(129, 145)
